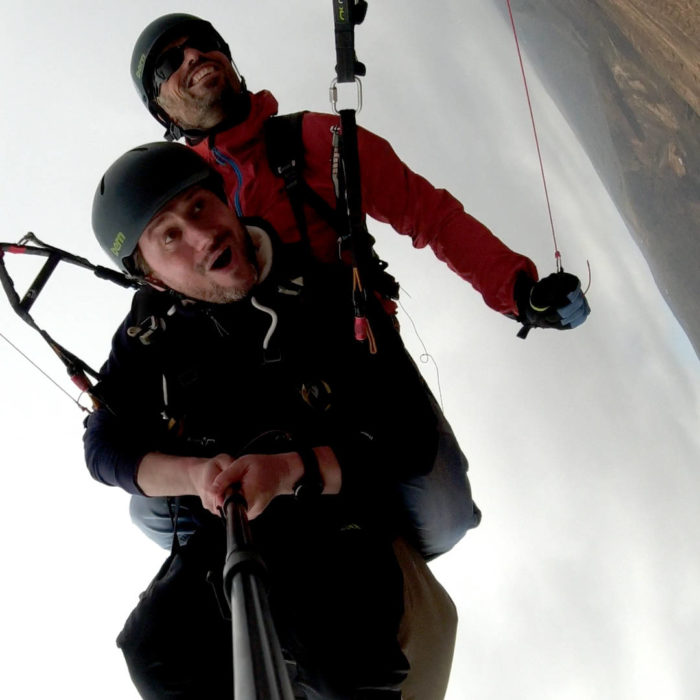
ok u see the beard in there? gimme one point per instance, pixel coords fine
(217, 109)
(245, 279)
(215, 293)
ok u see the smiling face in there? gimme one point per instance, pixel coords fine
(197, 246)
(193, 96)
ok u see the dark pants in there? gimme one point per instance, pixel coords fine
(336, 594)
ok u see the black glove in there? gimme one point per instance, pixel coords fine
(556, 301)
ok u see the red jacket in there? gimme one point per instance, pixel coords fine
(391, 193)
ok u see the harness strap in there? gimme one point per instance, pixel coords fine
(174, 511)
(285, 153)
(346, 14)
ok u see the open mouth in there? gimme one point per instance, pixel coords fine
(223, 260)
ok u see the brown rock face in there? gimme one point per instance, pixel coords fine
(667, 34)
(626, 73)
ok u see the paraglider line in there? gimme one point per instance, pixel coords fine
(425, 356)
(36, 366)
(557, 254)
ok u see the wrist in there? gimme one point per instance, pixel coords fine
(194, 469)
(521, 292)
(295, 466)
(328, 467)
(310, 484)
(167, 475)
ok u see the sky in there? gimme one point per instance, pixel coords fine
(583, 581)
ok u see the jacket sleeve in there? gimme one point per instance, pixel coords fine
(392, 193)
(108, 461)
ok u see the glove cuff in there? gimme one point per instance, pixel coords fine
(521, 292)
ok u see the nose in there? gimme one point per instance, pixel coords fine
(190, 55)
(198, 236)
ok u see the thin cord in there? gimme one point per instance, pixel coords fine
(557, 254)
(588, 286)
(36, 366)
(425, 356)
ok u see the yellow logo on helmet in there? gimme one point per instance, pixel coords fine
(117, 244)
(141, 66)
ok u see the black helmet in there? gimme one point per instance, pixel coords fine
(156, 35)
(137, 186)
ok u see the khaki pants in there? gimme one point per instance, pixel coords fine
(428, 628)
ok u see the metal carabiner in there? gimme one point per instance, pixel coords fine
(333, 94)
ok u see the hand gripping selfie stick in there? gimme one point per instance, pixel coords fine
(259, 670)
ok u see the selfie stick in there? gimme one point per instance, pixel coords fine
(259, 670)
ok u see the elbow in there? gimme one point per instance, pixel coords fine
(108, 460)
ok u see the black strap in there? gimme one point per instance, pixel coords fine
(174, 512)
(357, 230)
(310, 485)
(347, 14)
(285, 154)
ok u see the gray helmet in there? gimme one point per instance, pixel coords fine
(137, 186)
(147, 48)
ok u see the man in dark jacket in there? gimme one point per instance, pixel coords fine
(238, 366)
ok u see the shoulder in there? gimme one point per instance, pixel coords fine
(317, 128)
(149, 301)
(147, 306)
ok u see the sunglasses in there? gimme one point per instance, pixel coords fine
(170, 60)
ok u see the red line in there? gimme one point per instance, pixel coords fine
(557, 254)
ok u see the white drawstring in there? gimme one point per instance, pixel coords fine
(273, 315)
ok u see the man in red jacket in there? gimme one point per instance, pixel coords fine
(183, 71)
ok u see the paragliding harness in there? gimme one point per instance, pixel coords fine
(283, 136)
(285, 152)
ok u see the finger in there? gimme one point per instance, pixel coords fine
(256, 508)
(227, 477)
(576, 319)
(576, 306)
(221, 494)
(575, 294)
(211, 505)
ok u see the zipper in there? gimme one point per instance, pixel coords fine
(223, 159)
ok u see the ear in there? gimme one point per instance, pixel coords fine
(155, 283)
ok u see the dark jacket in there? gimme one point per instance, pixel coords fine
(205, 384)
